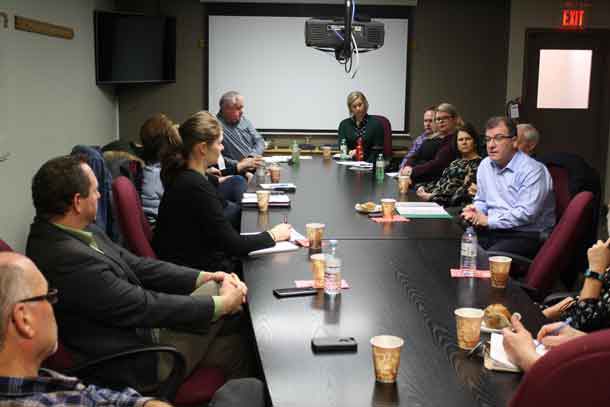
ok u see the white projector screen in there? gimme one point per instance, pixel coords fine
(288, 86)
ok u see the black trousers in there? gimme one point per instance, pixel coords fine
(522, 243)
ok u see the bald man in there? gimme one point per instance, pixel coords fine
(28, 335)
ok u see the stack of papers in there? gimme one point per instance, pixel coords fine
(422, 210)
(281, 186)
(276, 200)
(497, 359)
(362, 164)
(278, 248)
(283, 158)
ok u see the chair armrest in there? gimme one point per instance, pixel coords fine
(554, 298)
(166, 389)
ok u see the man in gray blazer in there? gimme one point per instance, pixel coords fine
(113, 300)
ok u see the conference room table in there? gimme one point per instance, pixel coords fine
(400, 284)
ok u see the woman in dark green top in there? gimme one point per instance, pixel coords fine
(361, 124)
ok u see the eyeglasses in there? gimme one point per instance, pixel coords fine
(443, 119)
(497, 138)
(51, 297)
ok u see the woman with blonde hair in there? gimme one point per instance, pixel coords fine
(361, 125)
(191, 228)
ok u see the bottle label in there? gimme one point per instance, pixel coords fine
(468, 250)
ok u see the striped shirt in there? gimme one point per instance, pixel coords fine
(241, 140)
(52, 389)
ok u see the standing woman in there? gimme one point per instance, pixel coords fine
(191, 228)
(361, 125)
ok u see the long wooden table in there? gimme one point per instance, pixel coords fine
(400, 285)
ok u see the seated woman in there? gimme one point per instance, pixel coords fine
(590, 311)
(438, 151)
(451, 189)
(156, 134)
(191, 227)
(361, 125)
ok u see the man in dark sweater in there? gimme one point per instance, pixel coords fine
(113, 300)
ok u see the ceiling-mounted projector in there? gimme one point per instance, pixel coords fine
(330, 33)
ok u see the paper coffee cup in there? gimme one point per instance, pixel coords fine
(315, 233)
(386, 357)
(388, 207)
(262, 198)
(318, 266)
(499, 266)
(468, 325)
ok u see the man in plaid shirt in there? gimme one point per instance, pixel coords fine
(28, 335)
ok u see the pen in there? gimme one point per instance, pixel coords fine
(556, 331)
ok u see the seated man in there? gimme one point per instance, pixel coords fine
(429, 129)
(28, 335)
(240, 137)
(113, 300)
(514, 203)
(527, 138)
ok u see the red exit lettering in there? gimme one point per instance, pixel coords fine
(572, 18)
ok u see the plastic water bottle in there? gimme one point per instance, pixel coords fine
(343, 149)
(468, 252)
(296, 152)
(379, 168)
(332, 274)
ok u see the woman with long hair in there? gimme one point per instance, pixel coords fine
(191, 227)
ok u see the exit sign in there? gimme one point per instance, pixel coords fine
(572, 18)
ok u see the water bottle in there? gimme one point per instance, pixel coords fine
(468, 252)
(332, 274)
(379, 168)
(343, 149)
(296, 152)
(359, 150)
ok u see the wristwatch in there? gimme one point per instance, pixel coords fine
(594, 274)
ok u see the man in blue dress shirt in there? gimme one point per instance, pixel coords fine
(514, 203)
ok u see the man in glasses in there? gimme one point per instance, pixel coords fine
(28, 335)
(113, 300)
(514, 203)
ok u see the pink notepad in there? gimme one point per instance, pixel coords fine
(396, 218)
(309, 283)
(477, 273)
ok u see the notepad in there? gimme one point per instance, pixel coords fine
(281, 186)
(281, 200)
(497, 359)
(362, 164)
(422, 210)
(278, 248)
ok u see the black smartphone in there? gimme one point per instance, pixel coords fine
(294, 292)
(334, 344)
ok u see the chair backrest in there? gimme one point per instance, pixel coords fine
(387, 136)
(560, 188)
(134, 225)
(4, 247)
(560, 377)
(554, 257)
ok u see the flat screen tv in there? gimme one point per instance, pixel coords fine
(132, 48)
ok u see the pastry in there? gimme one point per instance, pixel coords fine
(497, 316)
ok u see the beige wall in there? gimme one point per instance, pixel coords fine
(545, 14)
(180, 99)
(48, 101)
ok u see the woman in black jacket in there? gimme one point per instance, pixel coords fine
(191, 227)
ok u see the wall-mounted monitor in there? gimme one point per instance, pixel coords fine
(133, 48)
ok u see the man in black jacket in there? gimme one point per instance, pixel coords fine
(113, 300)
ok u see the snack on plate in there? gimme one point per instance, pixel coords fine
(368, 206)
(497, 316)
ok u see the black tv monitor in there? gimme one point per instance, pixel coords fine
(133, 48)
